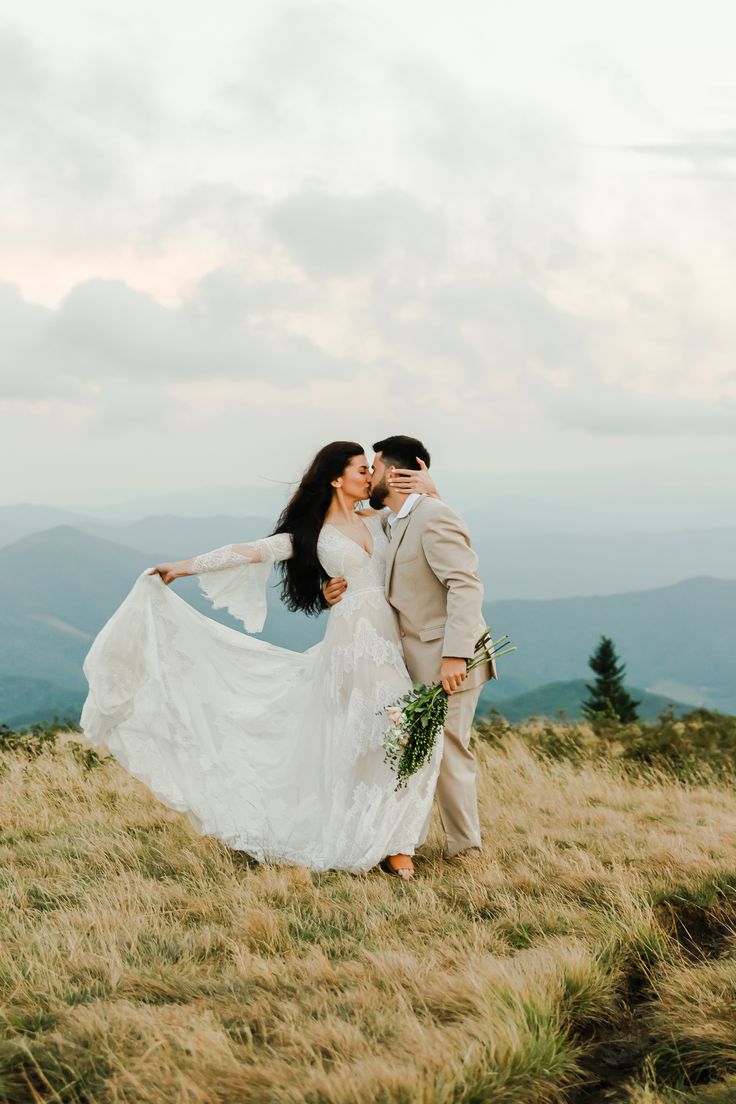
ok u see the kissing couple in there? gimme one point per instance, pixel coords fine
(279, 753)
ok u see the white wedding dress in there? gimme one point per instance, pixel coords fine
(277, 753)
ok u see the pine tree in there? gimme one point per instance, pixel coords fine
(608, 697)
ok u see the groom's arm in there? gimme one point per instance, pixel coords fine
(447, 548)
(333, 590)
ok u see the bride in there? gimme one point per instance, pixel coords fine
(277, 753)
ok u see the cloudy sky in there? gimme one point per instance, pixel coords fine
(232, 232)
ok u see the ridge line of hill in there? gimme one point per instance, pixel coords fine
(678, 640)
(64, 527)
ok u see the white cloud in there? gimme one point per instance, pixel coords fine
(518, 226)
(329, 234)
(105, 336)
(72, 140)
(615, 412)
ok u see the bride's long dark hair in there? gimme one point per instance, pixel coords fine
(304, 516)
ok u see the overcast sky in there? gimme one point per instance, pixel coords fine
(233, 232)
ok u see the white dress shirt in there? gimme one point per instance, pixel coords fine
(407, 508)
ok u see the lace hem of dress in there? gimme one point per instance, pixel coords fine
(363, 806)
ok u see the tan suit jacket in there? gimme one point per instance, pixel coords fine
(432, 583)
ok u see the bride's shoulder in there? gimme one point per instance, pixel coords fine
(368, 512)
(376, 518)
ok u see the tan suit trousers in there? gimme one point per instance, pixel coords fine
(456, 787)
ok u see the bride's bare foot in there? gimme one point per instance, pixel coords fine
(400, 865)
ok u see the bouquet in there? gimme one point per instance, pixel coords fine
(419, 717)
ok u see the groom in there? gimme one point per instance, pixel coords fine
(432, 583)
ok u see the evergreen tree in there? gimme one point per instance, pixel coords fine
(608, 697)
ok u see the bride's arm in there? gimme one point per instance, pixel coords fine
(267, 550)
(407, 481)
(234, 577)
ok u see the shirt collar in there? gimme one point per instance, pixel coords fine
(405, 509)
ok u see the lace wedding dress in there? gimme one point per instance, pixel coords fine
(277, 753)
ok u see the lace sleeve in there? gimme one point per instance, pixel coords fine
(220, 558)
(273, 549)
(234, 577)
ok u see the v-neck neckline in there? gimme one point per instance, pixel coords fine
(329, 525)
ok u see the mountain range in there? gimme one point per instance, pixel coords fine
(679, 640)
(27, 701)
(59, 586)
(514, 563)
(567, 698)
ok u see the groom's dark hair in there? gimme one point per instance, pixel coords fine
(402, 452)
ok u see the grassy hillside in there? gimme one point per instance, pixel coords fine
(588, 954)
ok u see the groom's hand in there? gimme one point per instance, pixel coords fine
(333, 590)
(452, 673)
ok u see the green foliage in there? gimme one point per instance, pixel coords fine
(37, 738)
(609, 699)
(408, 744)
(87, 757)
(698, 746)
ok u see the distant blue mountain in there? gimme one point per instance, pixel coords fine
(27, 701)
(567, 697)
(677, 640)
(58, 587)
(515, 563)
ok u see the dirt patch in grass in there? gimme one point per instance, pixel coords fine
(620, 1055)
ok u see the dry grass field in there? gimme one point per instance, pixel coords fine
(588, 955)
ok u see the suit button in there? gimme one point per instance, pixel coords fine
(403, 633)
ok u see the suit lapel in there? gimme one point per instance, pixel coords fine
(397, 536)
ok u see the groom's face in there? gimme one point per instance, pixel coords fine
(379, 487)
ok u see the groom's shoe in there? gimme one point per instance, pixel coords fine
(467, 858)
(400, 866)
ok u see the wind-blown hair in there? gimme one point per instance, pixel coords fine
(302, 575)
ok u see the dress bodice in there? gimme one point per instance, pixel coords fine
(342, 556)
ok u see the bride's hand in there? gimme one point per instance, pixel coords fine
(406, 481)
(171, 571)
